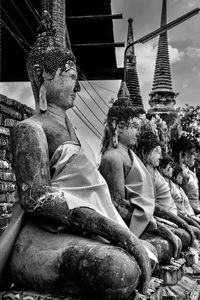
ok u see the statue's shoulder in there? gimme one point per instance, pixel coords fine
(29, 130)
(28, 124)
(112, 156)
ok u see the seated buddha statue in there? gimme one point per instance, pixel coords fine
(128, 179)
(172, 174)
(73, 241)
(150, 151)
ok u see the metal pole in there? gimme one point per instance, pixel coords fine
(163, 29)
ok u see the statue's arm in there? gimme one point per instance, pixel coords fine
(165, 214)
(112, 170)
(31, 164)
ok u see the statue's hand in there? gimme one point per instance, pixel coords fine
(152, 225)
(124, 208)
(167, 234)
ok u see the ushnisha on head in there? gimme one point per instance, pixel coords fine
(45, 58)
(122, 121)
(150, 150)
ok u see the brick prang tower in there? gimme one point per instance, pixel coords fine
(162, 96)
(130, 71)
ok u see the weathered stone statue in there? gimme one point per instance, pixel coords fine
(130, 183)
(172, 174)
(73, 242)
(165, 208)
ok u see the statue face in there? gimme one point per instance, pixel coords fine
(179, 178)
(190, 159)
(127, 131)
(154, 157)
(168, 171)
(62, 88)
(185, 170)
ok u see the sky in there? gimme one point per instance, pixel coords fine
(184, 52)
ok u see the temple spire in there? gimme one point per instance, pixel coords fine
(123, 92)
(162, 96)
(130, 72)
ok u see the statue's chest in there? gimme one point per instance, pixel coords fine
(56, 136)
(127, 164)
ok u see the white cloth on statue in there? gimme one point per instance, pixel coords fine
(163, 195)
(74, 171)
(140, 192)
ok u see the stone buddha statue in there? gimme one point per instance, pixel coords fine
(129, 182)
(150, 151)
(73, 240)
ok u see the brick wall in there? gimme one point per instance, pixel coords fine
(11, 112)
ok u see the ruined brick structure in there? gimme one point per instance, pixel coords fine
(162, 97)
(11, 112)
(130, 70)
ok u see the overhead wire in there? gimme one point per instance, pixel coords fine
(104, 88)
(90, 109)
(33, 10)
(86, 117)
(18, 39)
(92, 98)
(93, 88)
(19, 12)
(24, 39)
(87, 123)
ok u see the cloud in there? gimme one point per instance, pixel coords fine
(193, 52)
(184, 85)
(19, 91)
(175, 55)
(193, 3)
(146, 58)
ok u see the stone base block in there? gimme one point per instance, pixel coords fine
(170, 274)
(22, 295)
(184, 289)
(168, 294)
(196, 269)
(196, 293)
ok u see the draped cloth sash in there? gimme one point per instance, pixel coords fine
(75, 173)
(163, 195)
(140, 191)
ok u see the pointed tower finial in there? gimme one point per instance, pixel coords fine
(162, 96)
(164, 14)
(130, 71)
(122, 108)
(123, 92)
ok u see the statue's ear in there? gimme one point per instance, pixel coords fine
(39, 79)
(115, 133)
(38, 74)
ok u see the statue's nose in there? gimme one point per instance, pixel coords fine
(77, 87)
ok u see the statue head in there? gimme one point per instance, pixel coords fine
(177, 175)
(149, 148)
(48, 61)
(189, 157)
(166, 166)
(122, 122)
